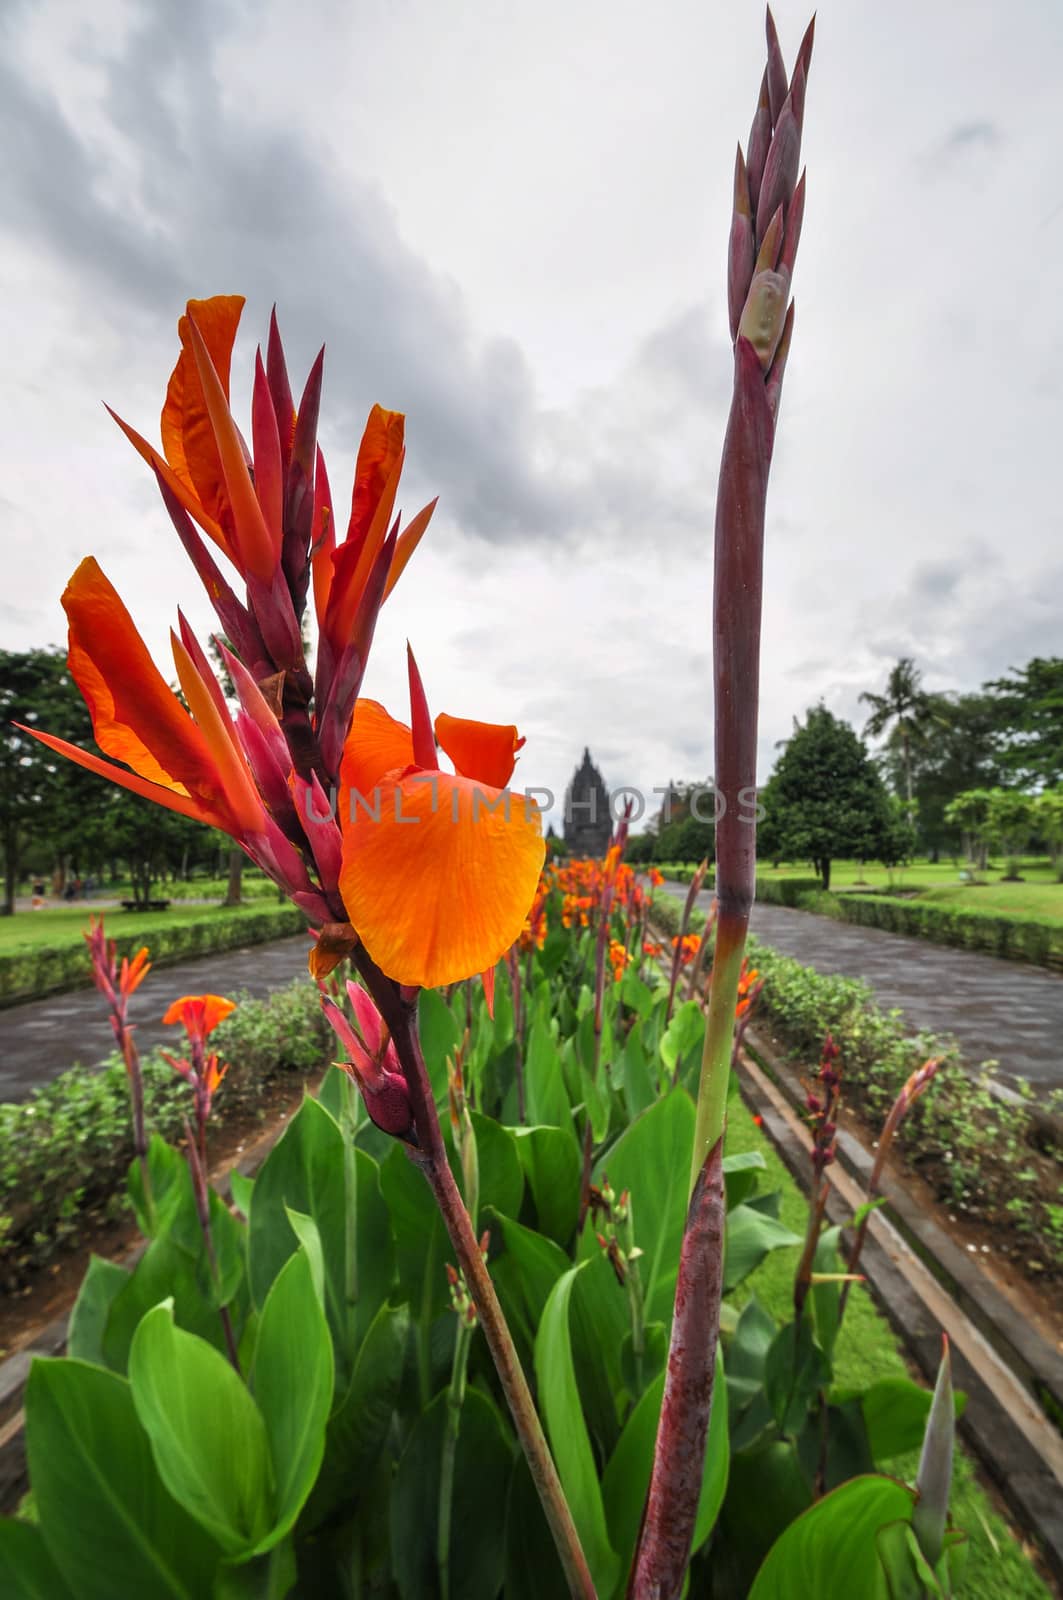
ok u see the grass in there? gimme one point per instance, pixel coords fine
(62, 925)
(867, 1350)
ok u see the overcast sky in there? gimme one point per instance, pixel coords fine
(509, 220)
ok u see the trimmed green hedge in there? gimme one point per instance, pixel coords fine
(69, 1146)
(986, 1157)
(48, 969)
(1008, 934)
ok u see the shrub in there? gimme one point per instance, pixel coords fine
(69, 1146)
(46, 969)
(1007, 934)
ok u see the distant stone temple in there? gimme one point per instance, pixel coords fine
(588, 821)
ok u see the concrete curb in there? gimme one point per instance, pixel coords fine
(1003, 1422)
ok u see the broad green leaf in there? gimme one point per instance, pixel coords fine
(266, 1577)
(545, 1087)
(740, 1175)
(501, 1175)
(636, 994)
(599, 1321)
(303, 1172)
(560, 1402)
(482, 1465)
(533, 1568)
(421, 1244)
(166, 1270)
(305, 1230)
(155, 1203)
(439, 1037)
(766, 1490)
(207, 1435)
(109, 1523)
(595, 1095)
(523, 1276)
(640, 1088)
(27, 1571)
(895, 1412)
(292, 1382)
(551, 1161)
(626, 1479)
(683, 1038)
(360, 1421)
(651, 1159)
(333, 1093)
(831, 1549)
(795, 1369)
(825, 1298)
(241, 1187)
(750, 1235)
(100, 1287)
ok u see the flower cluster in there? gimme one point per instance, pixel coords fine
(200, 1014)
(688, 946)
(116, 983)
(618, 959)
(461, 1301)
(822, 1103)
(430, 904)
(372, 1061)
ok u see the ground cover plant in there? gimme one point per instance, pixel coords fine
(220, 1422)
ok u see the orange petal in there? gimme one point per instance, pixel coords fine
(142, 720)
(232, 772)
(409, 539)
(381, 447)
(187, 435)
(376, 744)
(483, 750)
(182, 491)
(487, 977)
(439, 888)
(200, 1012)
(186, 805)
(257, 551)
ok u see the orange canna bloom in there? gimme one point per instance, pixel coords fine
(438, 869)
(431, 903)
(200, 1013)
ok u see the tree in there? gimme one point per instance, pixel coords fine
(44, 800)
(905, 711)
(825, 798)
(969, 812)
(960, 751)
(1010, 825)
(1029, 707)
(1048, 822)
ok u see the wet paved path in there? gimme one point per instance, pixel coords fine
(43, 1037)
(1000, 1010)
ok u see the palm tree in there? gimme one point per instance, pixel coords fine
(904, 710)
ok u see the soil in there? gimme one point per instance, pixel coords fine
(51, 1292)
(1001, 1254)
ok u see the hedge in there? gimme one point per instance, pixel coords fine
(983, 1155)
(1011, 935)
(1007, 934)
(69, 1146)
(47, 969)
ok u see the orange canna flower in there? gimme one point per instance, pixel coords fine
(431, 903)
(200, 1013)
(438, 869)
(618, 959)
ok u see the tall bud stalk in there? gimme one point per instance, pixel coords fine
(765, 229)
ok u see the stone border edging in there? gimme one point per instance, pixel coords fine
(1018, 1446)
(1020, 1345)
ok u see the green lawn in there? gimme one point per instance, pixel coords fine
(27, 930)
(1039, 894)
(867, 1350)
